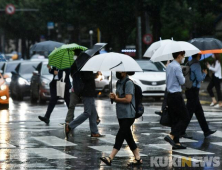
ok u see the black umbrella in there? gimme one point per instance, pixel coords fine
(205, 44)
(46, 46)
(86, 55)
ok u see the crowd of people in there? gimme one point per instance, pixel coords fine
(180, 113)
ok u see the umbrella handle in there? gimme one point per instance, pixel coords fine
(111, 86)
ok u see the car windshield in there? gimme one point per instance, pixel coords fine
(148, 65)
(45, 70)
(11, 67)
(27, 68)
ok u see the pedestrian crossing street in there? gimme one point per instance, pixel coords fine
(29, 139)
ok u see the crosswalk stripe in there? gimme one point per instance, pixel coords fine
(124, 152)
(188, 151)
(217, 143)
(216, 134)
(50, 153)
(53, 141)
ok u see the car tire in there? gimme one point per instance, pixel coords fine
(157, 98)
(13, 96)
(20, 97)
(41, 100)
(32, 98)
(4, 106)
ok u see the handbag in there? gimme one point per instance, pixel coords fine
(60, 86)
(165, 118)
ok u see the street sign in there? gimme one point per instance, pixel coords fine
(147, 39)
(10, 9)
(50, 25)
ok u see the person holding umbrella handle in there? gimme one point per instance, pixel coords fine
(126, 118)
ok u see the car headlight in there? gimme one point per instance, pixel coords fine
(22, 81)
(3, 97)
(8, 80)
(3, 87)
(45, 83)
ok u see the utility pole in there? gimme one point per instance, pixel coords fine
(139, 37)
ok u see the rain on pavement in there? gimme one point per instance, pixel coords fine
(27, 143)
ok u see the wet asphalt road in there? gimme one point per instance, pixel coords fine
(27, 143)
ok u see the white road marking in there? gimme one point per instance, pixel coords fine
(53, 141)
(124, 152)
(188, 151)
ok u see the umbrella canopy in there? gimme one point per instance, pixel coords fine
(211, 45)
(84, 57)
(164, 53)
(112, 62)
(62, 57)
(46, 46)
(151, 50)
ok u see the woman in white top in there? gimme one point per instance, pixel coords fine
(215, 81)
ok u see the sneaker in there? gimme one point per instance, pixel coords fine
(44, 119)
(217, 106)
(212, 104)
(97, 135)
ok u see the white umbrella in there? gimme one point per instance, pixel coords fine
(151, 50)
(164, 53)
(112, 62)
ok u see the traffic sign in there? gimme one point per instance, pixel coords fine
(147, 39)
(50, 25)
(10, 9)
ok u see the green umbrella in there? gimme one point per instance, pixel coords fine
(62, 57)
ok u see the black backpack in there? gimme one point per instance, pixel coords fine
(187, 73)
(139, 108)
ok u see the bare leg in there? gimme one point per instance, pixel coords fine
(113, 154)
(137, 154)
(171, 136)
(214, 100)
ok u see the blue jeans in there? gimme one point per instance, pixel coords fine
(89, 112)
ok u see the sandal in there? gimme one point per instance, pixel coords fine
(135, 162)
(106, 160)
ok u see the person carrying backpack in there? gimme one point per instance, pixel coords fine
(75, 94)
(126, 113)
(192, 94)
(87, 92)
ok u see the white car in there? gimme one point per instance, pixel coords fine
(152, 80)
(102, 83)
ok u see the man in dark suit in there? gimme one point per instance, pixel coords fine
(54, 98)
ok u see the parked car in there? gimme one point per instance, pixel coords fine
(152, 80)
(20, 81)
(37, 57)
(39, 89)
(7, 68)
(102, 84)
(4, 92)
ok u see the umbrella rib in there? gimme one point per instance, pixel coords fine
(116, 65)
